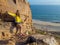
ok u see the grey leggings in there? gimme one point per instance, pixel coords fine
(13, 25)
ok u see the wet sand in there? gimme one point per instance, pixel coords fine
(49, 26)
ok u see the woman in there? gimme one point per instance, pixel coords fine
(16, 23)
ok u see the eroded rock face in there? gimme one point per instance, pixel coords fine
(25, 13)
(49, 40)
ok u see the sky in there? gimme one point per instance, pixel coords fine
(44, 2)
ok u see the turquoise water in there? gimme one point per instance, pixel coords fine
(49, 13)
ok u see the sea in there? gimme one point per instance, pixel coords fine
(48, 13)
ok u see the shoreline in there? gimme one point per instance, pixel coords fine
(46, 23)
(49, 26)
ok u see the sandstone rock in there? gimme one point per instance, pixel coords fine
(49, 40)
(25, 13)
(12, 6)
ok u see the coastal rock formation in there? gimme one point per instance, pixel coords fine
(6, 38)
(49, 40)
(11, 6)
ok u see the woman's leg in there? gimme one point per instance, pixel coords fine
(18, 28)
(12, 27)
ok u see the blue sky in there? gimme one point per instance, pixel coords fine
(44, 2)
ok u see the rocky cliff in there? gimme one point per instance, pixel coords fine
(11, 6)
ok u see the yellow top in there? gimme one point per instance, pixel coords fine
(17, 18)
(12, 14)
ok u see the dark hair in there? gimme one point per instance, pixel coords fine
(3, 33)
(17, 13)
(14, 1)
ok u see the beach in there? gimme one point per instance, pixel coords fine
(48, 26)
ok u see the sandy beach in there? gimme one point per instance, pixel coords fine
(49, 26)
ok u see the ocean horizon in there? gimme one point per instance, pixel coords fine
(48, 13)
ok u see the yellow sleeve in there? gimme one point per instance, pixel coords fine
(12, 14)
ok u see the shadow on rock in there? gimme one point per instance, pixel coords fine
(29, 40)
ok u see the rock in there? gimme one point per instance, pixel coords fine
(12, 6)
(49, 40)
(24, 10)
